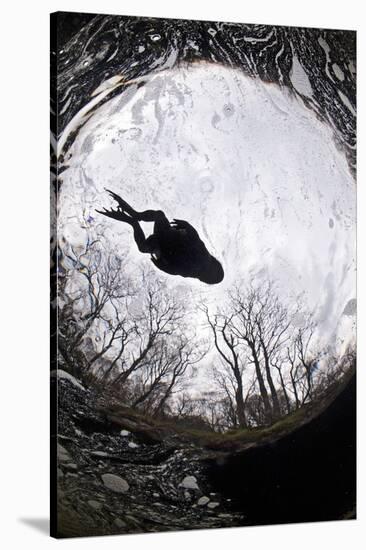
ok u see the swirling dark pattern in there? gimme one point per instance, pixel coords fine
(92, 48)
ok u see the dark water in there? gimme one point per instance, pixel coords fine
(309, 475)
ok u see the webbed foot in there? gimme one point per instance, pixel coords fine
(118, 214)
(122, 205)
(115, 214)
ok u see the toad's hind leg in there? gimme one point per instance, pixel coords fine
(156, 216)
(147, 246)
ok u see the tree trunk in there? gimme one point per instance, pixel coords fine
(262, 387)
(274, 396)
(239, 397)
(288, 404)
(308, 381)
(240, 406)
(297, 400)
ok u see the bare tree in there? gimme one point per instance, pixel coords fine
(88, 287)
(111, 332)
(162, 376)
(302, 361)
(226, 382)
(184, 405)
(158, 321)
(204, 412)
(255, 329)
(256, 413)
(226, 343)
(139, 342)
(227, 393)
(262, 323)
(333, 370)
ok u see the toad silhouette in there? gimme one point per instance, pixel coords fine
(175, 247)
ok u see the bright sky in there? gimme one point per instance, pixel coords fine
(253, 170)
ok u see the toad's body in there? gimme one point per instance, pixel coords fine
(175, 247)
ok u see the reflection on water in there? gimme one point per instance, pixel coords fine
(177, 116)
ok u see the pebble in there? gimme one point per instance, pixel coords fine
(115, 483)
(95, 504)
(71, 466)
(62, 454)
(119, 523)
(189, 482)
(124, 433)
(203, 501)
(132, 519)
(213, 505)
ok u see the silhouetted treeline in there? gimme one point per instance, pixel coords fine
(134, 341)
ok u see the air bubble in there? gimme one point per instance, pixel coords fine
(229, 109)
(155, 37)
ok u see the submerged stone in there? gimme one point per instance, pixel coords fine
(115, 483)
